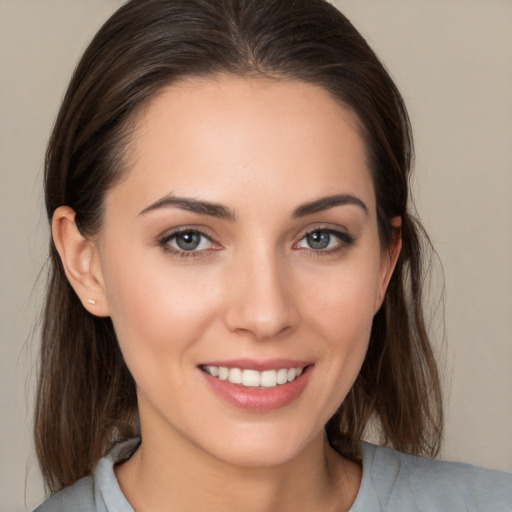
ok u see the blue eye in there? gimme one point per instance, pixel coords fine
(187, 241)
(326, 240)
(318, 239)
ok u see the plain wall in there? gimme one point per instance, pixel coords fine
(452, 60)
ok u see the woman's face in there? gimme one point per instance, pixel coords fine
(241, 247)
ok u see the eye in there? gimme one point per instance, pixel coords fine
(319, 240)
(327, 240)
(187, 242)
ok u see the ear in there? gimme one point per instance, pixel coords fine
(81, 262)
(389, 257)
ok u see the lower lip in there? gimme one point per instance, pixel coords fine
(259, 399)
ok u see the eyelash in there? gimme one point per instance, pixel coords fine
(164, 243)
(345, 242)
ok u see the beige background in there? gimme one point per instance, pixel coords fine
(452, 59)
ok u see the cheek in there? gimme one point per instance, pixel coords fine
(342, 302)
(157, 309)
(347, 321)
(341, 312)
(337, 313)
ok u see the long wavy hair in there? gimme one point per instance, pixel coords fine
(86, 398)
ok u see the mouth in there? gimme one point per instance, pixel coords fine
(253, 378)
(258, 386)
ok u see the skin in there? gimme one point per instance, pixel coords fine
(254, 289)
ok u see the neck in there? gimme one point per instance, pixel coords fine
(163, 474)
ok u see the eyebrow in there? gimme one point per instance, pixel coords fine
(325, 203)
(192, 205)
(222, 212)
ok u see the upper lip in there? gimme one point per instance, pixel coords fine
(259, 365)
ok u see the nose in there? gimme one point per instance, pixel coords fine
(261, 303)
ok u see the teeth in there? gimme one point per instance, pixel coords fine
(235, 376)
(282, 376)
(254, 378)
(251, 378)
(269, 379)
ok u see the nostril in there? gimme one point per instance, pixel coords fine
(263, 331)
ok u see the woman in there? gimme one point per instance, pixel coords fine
(235, 295)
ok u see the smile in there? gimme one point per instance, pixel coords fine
(254, 378)
(257, 386)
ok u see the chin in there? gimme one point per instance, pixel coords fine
(263, 445)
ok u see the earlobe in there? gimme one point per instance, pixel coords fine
(388, 260)
(80, 260)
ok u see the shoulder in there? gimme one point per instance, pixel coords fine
(99, 492)
(79, 497)
(400, 481)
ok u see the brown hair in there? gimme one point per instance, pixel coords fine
(86, 397)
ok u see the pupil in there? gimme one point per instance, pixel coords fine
(319, 239)
(188, 241)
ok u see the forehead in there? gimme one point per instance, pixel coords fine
(231, 139)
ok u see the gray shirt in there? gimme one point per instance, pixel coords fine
(392, 481)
